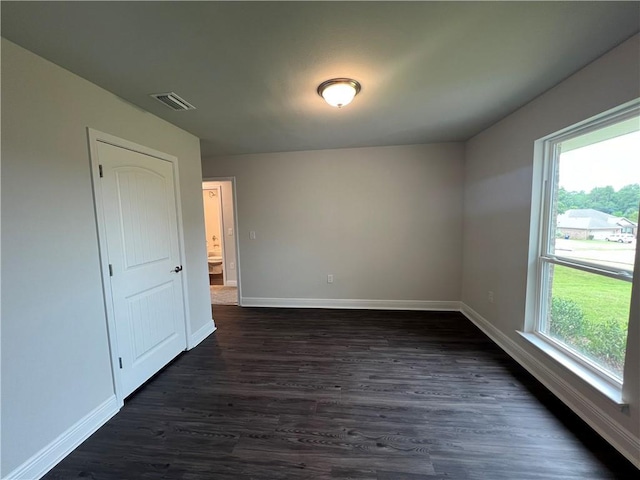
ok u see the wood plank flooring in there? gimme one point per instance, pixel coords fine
(344, 394)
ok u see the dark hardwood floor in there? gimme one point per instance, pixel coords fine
(344, 394)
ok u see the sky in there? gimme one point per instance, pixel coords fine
(614, 162)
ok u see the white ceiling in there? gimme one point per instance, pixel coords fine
(430, 71)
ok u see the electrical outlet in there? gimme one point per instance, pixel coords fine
(329, 278)
(490, 296)
(230, 231)
(232, 265)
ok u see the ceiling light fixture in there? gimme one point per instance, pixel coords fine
(339, 92)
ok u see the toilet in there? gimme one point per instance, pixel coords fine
(215, 263)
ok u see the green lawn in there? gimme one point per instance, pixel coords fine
(590, 313)
(597, 296)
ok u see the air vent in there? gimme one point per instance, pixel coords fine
(173, 101)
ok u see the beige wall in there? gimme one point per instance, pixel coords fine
(385, 221)
(497, 213)
(55, 356)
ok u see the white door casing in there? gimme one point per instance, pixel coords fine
(222, 235)
(135, 196)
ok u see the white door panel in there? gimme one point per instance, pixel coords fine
(141, 229)
(145, 226)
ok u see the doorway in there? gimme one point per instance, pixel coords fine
(220, 226)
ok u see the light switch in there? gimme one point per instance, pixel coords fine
(252, 235)
(230, 231)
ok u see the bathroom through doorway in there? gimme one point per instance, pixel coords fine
(220, 230)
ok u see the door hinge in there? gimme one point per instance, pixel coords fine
(100, 170)
(110, 270)
(120, 361)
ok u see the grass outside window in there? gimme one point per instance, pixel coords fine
(589, 313)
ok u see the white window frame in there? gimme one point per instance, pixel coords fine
(547, 157)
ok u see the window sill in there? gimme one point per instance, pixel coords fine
(611, 391)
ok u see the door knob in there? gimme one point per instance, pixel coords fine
(178, 269)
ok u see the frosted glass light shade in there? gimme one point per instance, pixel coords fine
(339, 92)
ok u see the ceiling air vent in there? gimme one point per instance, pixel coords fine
(173, 101)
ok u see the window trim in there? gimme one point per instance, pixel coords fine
(546, 156)
(620, 274)
(609, 390)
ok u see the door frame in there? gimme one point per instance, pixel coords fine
(95, 136)
(234, 197)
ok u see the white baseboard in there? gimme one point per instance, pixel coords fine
(231, 283)
(202, 333)
(351, 303)
(48, 457)
(621, 439)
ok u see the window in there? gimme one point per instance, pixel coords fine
(588, 239)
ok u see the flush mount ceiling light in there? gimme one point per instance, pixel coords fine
(339, 92)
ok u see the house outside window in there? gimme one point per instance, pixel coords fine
(588, 226)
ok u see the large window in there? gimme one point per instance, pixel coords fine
(589, 228)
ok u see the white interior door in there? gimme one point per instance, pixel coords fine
(141, 229)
